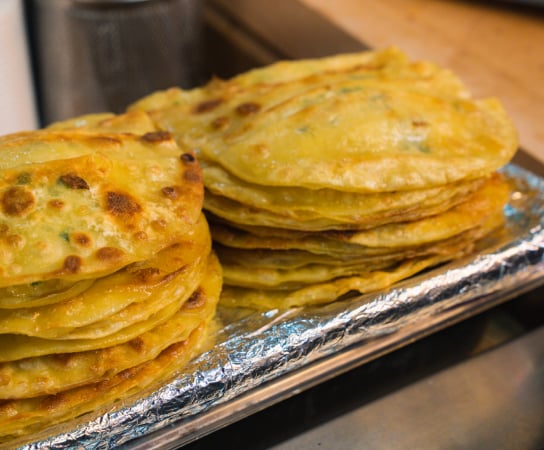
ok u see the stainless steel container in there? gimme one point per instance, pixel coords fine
(101, 55)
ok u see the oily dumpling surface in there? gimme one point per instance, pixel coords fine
(50, 374)
(330, 203)
(77, 204)
(115, 301)
(372, 126)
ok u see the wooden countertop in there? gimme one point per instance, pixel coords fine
(495, 47)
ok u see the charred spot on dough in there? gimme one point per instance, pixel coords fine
(187, 158)
(138, 344)
(140, 235)
(104, 140)
(420, 123)
(159, 224)
(196, 300)
(146, 274)
(207, 105)
(8, 408)
(72, 264)
(24, 178)
(81, 239)
(171, 192)
(192, 176)
(340, 234)
(170, 276)
(73, 181)
(220, 123)
(156, 136)
(121, 204)
(247, 109)
(53, 402)
(17, 201)
(63, 359)
(109, 254)
(14, 240)
(55, 203)
(4, 379)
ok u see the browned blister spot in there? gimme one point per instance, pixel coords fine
(53, 402)
(24, 178)
(220, 123)
(171, 192)
(4, 379)
(124, 375)
(340, 234)
(3, 229)
(420, 123)
(247, 109)
(63, 359)
(121, 204)
(82, 239)
(156, 136)
(196, 300)
(8, 408)
(14, 240)
(72, 264)
(146, 274)
(188, 158)
(140, 236)
(17, 201)
(109, 254)
(104, 140)
(207, 105)
(159, 224)
(73, 181)
(192, 176)
(170, 276)
(137, 344)
(55, 203)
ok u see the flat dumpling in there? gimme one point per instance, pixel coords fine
(50, 374)
(396, 126)
(290, 269)
(331, 290)
(330, 203)
(23, 416)
(77, 204)
(388, 139)
(117, 300)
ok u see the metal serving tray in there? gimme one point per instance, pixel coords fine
(263, 358)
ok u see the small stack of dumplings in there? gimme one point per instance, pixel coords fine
(108, 284)
(343, 174)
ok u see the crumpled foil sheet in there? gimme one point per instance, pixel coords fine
(254, 353)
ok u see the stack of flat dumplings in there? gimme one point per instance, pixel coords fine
(108, 284)
(340, 174)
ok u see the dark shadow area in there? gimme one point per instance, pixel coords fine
(380, 377)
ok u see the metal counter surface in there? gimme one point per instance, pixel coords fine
(476, 385)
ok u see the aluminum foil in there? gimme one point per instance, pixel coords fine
(261, 358)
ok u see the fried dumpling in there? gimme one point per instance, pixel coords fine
(53, 373)
(78, 204)
(22, 416)
(382, 124)
(117, 300)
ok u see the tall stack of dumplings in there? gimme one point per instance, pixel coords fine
(108, 284)
(340, 174)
